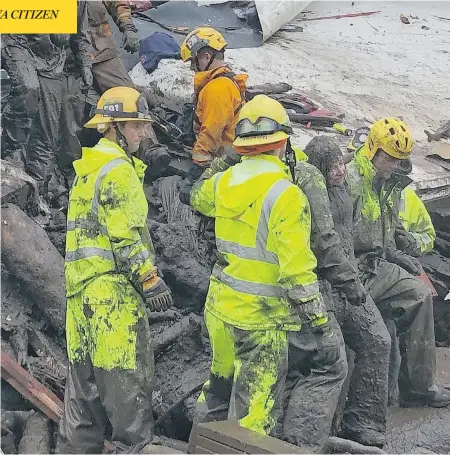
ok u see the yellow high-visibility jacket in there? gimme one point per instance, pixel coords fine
(262, 224)
(106, 220)
(416, 219)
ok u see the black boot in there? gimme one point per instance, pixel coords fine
(439, 397)
(365, 437)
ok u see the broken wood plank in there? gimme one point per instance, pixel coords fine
(340, 16)
(239, 439)
(34, 391)
(23, 382)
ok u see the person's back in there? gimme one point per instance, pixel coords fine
(218, 98)
(263, 289)
(253, 202)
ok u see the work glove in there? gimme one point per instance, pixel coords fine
(407, 243)
(355, 293)
(157, 294)
(221, 163)
(410, 264)
(185, 191)
(313, 312)
(131, 41)
(192, 176)
(86, 74)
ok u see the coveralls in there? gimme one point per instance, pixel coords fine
(398, 295)
(74, 110)
(107, 66)
(219, 96)
(108, 336)
(416, 220)
(31, 119)
(362, 326)
(264, 274)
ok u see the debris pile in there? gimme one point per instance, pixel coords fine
(437, 265)
(33, 314)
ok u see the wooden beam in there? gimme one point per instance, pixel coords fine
(45, 400)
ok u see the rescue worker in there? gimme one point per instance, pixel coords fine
(416, 220)
(74, 110)
(263, 290)
(320, 173)
(107, 65)
(386, 272)
(219, 95)
(31, 118)
(110, 277)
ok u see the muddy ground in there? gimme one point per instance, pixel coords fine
(32, 325)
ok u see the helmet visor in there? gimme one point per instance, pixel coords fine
(262, 126)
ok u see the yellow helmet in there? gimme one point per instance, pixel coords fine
(119, 104)
(261, 121)
(198, 39)
(391, 135)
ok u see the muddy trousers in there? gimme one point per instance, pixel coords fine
(316, 373)
(110, 73)
(23, 103)
(41, 162)
(247, 377)
(366, 334)
(408, 302)
(111, 367)
(74, 113)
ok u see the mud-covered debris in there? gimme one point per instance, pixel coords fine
(340, 445)
(13, 425)
(33, 260)
(418, 429)
(37, 436)
(19, 188)
(186, 327)
(404, 19)
(442, 131)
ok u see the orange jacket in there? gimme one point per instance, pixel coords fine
(218, 102)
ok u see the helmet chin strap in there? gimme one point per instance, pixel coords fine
(213, 57)
(121, 139)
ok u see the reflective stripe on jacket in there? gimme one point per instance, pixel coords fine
(265, 264)
(106, 219)
(416, 219)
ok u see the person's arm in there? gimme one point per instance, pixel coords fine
(125, 211)
(120, 11)
(332, 262)
(203, 196)
(417, 221)
(80, 44)
(216, 106)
